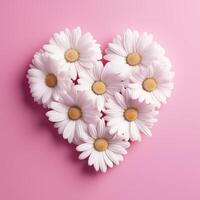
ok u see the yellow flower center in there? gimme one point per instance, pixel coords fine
(74, 113)
(130, 114)
(51, 80)
(133, 59)
(149, 84)
(99, 87)
(101, 144)
(72, 55)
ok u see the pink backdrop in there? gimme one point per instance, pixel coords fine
(36, 163)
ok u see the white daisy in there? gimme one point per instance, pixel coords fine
(76, 51)
(129, 117)
(102, 149)
(134, 50)
(72, 113)
(101, 82)
(46, 78)
(152, 85)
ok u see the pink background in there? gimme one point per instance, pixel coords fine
(36, 163)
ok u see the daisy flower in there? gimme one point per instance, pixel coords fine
(76, 51)
(128, 117)
(72, 113)
(152, 85)
(134, 50)
(46, 79)
(101, 82)
(102, 149)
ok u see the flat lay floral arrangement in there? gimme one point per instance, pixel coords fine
(101, 108)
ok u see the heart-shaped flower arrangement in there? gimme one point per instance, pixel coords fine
(101, 108)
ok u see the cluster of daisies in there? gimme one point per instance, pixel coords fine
(101, 108)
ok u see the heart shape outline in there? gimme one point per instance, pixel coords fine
(137, 79)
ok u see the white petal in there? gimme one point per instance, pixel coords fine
(135, 40)
(112, 157)
(61, 40)
(47, 96)
(85, 154)
(117, 149)
(128, 41)
(135, 135)
(93, 157)
(100, 102)
(80, 129)
(55, 116)
(102, 164)
(97, 163)
(84, 147)
(114, 121)
(58, 107)
(100, 128)
(144, 41)
(92, 131)
(76, 34)
(72, 138)
(117, 49)
(107, 160)
(143, 128)
(33, 72)
(69, 129)
(61, 126)
(120, 100)
(115, 57)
